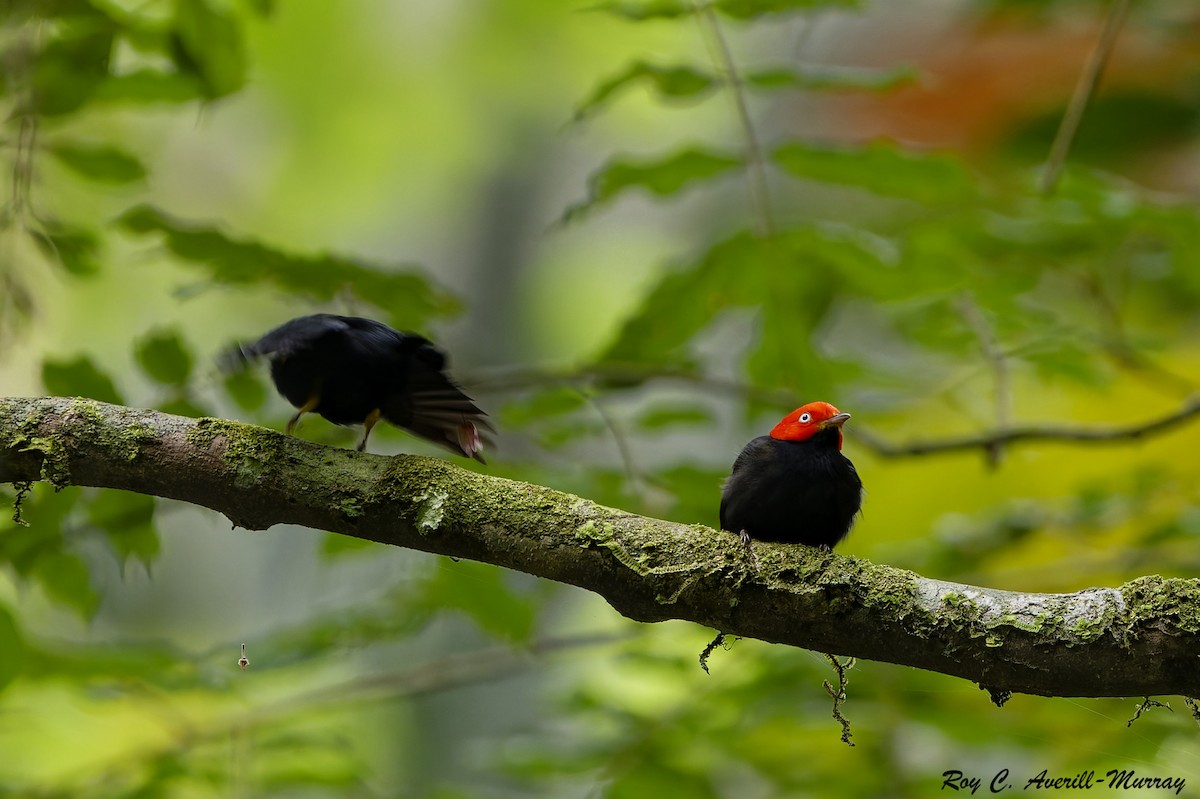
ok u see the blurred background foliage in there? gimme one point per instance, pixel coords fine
(645, 230)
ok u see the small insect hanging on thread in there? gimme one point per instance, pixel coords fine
(243, 661)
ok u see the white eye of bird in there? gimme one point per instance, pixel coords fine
(805, 418)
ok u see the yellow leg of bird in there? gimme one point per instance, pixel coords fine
(312, 403)
(371, 420)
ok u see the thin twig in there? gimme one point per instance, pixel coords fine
(636, 480)
(1143, 706)
(1194, 707)
(630, 375)
(1114, 338)
(839, 695)
(1079, 435)
(808, 27)
(998, 363)
(1084, 90)
(595, 376)
(756, 172)
(719, 641)
(23, 488)
(22, 168)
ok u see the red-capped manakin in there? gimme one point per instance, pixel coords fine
(794, 485)
(352, 370)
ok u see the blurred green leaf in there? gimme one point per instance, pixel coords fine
(127, 520)
(1185, 525)
(960, 542)
(64, 577)
(147, 86)
(794, 301)
(1120, 122)
(1065, 356)
(690, 298)
(164, 357)
(662, 177)
(696, 489)
(674, 82)
(659, 416)
(78, 376)
(300, 761)
(791, 278)
(101, 164)
(405, 296)
(538, 406)
(648, 9)
(554, 434)
(157, 663)
(652, 777)
(836, 78)
(44, 512)
(749, 9)
(737, 9)
(481, 592)
(37, 551)
(184, 406)
(70, 67)
(883, 169)
(12, 648)
(209, 46)
(75, 249)
(246, 388)
(393, 618)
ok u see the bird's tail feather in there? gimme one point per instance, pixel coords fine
(446, 416)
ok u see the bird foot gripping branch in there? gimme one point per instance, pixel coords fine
(352, 370)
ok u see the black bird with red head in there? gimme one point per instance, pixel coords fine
(794, 485)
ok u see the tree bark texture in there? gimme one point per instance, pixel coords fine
(1139, 639)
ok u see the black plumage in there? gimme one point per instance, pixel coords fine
(795, 491)
(352, 370)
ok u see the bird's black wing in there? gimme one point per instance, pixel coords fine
(292, 336)
(736, 495)
(298, 334)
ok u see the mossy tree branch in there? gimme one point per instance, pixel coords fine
(1136, 640)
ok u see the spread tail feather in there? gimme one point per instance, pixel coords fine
(447, 417)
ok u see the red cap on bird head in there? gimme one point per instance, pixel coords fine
(808, 420)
